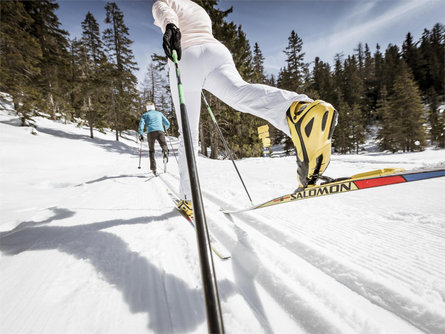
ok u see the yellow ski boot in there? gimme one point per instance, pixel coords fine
(311, 126)
(186, 207)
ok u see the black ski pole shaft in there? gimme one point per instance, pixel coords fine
(229, 153)
(213, 307)
(140, 156)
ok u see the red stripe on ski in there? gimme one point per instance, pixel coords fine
(377, 182)
(281, 199)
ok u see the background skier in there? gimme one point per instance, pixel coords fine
(207, 63)
(155, 122)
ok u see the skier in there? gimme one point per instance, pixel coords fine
(207, 63)
(155, 122)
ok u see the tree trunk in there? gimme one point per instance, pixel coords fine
(90, 117)
(202, 134)
(214, 145)
(116, 124)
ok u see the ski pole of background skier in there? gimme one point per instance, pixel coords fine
(213, 307)
(140, 156)
(171, 145)
(229, 153)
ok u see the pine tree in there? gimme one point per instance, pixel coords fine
(322, 85)
(342, 134)
(369, 86)
(258, 65)
(92, 41)
(411, 55)
(338, 79)
(385, 134)
(149, 84)
(391, 66)
(246, 135)
(353, 81)
(20, 57)
(357, 127)
(432, 54)
(123, 82)
(54, 65)
(378, 71)
(436, 119)
(406, 102)
(404, 123)
(93, 64)
(75, 77)
(162, 97)
(353, 94)
(291, 77)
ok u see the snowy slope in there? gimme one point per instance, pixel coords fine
(91, 244)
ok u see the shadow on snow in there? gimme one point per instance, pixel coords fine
(144, 286)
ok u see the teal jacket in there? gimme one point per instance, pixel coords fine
(154, 121)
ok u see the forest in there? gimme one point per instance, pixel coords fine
(395, 94)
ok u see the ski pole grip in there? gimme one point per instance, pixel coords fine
(175, 56)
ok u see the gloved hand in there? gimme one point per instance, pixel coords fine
(141, 137)
(172, 41)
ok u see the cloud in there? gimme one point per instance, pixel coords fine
(362, 23)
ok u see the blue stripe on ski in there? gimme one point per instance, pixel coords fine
(425, 175)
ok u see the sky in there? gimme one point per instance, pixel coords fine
(327, 27)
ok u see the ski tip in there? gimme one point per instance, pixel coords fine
(226, 211)
(224, 257)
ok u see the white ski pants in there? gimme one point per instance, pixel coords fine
(210, 66)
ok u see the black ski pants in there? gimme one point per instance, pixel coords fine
(152, 137)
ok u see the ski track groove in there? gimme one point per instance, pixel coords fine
(421, 241)
(286, 297)
(182, 259)
(323, 297)
(219, 266)
(343, 249)
(376, 230)
(380, 259)
(371, 256)
(217, 202)
(322, 257)
(391, 276)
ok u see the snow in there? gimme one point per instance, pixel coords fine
(89, 243)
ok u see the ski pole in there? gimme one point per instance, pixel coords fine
(229, 153)
(140, 156)
(171, 145)
(213, 307)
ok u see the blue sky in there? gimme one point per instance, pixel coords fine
(327, 27)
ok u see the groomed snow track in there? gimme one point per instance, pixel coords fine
(307, 267)
(91, 244)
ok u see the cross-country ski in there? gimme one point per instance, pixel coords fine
(217, 247)
(367, 180)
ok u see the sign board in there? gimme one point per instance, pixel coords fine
(263, 129)
(266, 142)
(264, 135)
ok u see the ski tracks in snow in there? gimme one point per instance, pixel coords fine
(107, 251)
(355, 272)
